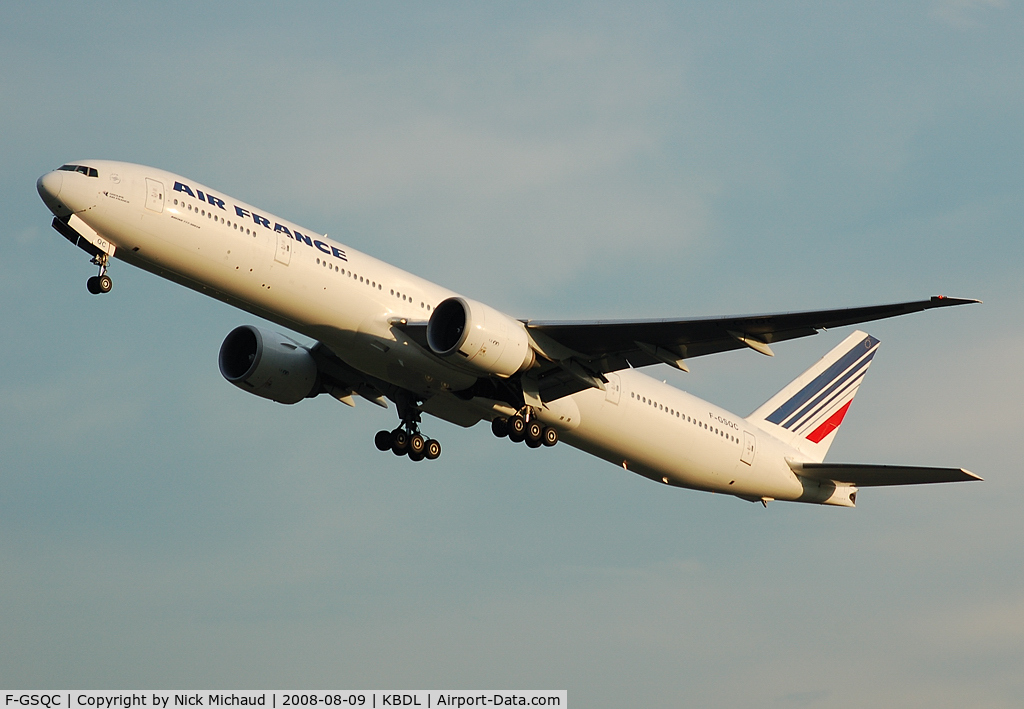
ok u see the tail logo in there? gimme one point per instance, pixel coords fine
(817, 410)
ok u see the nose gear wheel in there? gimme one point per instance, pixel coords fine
(102, 282)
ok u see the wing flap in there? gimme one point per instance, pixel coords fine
(880, 475)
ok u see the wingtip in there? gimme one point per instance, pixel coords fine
(971, 476)
(945, 300)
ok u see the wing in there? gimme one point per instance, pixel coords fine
(606, 346)
(578, 353)
(582, 352)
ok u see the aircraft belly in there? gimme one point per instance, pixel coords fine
(372, 346)
(635, 439)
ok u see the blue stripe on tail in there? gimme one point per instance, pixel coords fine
(823, 381)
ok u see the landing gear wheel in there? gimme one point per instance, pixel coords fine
(93, 285)
(416, 446)
(516, 429)
(499, 427)
(534, 433)
(407, 439)
(104, 283)
(550, 436)
(382, 440)
(399, 442)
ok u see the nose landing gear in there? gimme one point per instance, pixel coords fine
(101, 283)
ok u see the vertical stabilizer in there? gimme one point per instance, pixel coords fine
(807, 413)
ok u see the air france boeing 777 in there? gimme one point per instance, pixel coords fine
(384, 334)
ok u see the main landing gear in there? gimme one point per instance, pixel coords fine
(524, 427)
(406, 439)
(403, 441)
(101, 283)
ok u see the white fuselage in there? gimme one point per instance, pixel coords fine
(243, 255)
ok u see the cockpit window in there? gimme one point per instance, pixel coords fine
(87, 171)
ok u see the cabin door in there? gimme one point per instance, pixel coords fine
(747, 456)
(284, 249)
(154, 195)
(613, 388)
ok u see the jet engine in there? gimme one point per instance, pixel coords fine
(478, 338)
(268, 364)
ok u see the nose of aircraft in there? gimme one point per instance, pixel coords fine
(49, 186)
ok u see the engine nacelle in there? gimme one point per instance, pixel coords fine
(268, 364)
(478, 338)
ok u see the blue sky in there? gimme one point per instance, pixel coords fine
(159, 528)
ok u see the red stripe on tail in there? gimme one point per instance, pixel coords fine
(830, 425)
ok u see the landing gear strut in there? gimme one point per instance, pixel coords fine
(524, 426)
(406, 439)
(101, 283)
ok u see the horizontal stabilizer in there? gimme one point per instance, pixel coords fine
(879, 475)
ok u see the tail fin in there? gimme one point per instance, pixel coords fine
(807, 412)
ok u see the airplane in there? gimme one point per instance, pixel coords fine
(383, 334)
